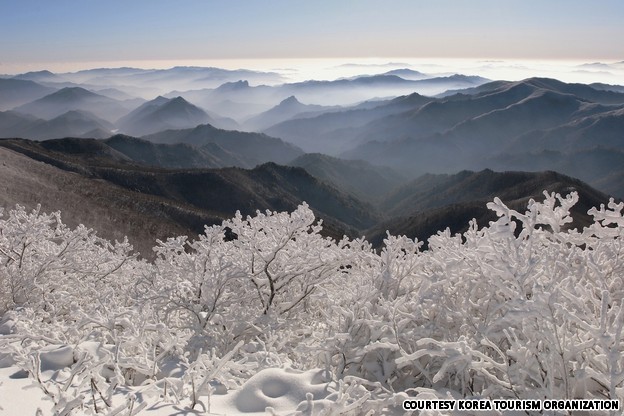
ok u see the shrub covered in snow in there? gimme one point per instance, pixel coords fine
(523, 308)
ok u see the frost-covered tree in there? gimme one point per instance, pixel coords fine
(242, 287)
(48, 266)
(522, 308)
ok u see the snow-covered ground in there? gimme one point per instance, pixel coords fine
(275, 390)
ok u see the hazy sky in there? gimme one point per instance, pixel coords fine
(83, 31)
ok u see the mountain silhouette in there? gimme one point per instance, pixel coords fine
(16, 92)
(334, 132)
(251, 148)
(466, 131)
(74, 98)
(162, 114)
(286, 109)
(70, 124)
(216, 192)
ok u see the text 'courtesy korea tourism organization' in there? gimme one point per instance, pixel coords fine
(512, 405)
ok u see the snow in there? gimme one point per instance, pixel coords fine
(18, 394)
(284, 390)
(283, 321)
(280, 389)
(55, 357)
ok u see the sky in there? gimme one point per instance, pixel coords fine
(74, 34)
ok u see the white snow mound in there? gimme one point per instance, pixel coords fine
(277, 388)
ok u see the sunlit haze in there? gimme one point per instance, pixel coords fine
(303, 40)
(295, 70)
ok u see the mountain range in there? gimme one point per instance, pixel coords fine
(484, 121)
(188, 198)
(249, 99)
(16, 92)
(225, 101)
(72, 99)
(144, 201)
(167, 114)
(401, 151)
(74, 123)
(285, 110)
(250, 148)
(482, 127)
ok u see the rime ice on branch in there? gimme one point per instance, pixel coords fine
(523, 308)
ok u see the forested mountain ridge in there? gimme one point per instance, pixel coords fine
(213, 194)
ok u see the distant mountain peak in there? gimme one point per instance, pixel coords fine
(35, 73)
(467, 78)
(232, 86)
(74, 98)
(162, 114)
(159, 100)
(381, 78)
(72, 93)
(289, 102)
(205, 127)
(180, 105)
(83, 115)
(121, 137)
(39, 76)
(177, 101)
(406, 73)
